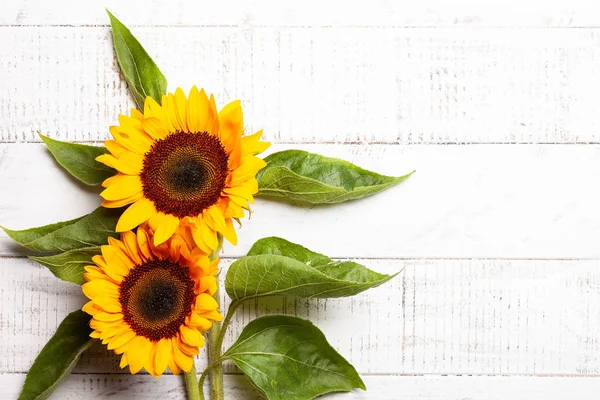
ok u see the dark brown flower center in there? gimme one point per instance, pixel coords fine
(156, 297)
(185, 173)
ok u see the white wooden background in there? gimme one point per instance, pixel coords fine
(496, 104)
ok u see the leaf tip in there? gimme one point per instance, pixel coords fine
(362, 384)
(9, 232)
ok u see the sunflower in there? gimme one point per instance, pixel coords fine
(183, 166)
(151, 303)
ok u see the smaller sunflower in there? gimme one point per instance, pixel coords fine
(151, 303)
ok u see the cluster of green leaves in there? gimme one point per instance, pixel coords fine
(277, 352)
(284, 357)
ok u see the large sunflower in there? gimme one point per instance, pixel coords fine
(182, 165)
(151, 303)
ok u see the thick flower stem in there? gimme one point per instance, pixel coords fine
(214, 354)
(191, 385)
(215, 357)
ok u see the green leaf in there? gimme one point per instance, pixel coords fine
(141, 73)
(58, 357)
(69, 266)
(275, 266)
(315, 179)
(288, 358)
(32, 234)
(90, 230)
(80, 160)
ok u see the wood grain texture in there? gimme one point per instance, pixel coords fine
(493, 103)
(414, 85)
(122, 387)
(534, 317)
(400, 13)
(482, 201)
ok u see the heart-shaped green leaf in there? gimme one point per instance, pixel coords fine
(90, 230)
(58, 357)
(69, 266)
(275, 266)
(80, 160)
(288, 358)
(315, 179)
(141, 73)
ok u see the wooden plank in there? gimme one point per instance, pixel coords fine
(320, 84)
(430, 13)
(125, 387)
(473, 201)
(537, 317)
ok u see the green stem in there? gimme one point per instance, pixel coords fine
(191, 385)
(205, 373)
(215, 345)
(214, 354)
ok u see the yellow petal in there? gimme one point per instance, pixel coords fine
(214, 115)
(123, 362)
(249, 167)
(115, 148)
(252, 145)
(100, 287)
(143, 241)
(114, 330)
(229, 233)
(162, 356)
(184, 361)
(122, 202)
(215, 217)
(129, 240)
(134, 140)
(121, 339)
(198, 322)
(166, 229)
(175, 370)
(155, 128)
(136, 214)
(186, 349)
(152, 110)
(125, 186)
(108, 317)
(240, 191)
(155, 221)
(108, 304)
(118, 263)
(209, 236)
(138, 352)
(205, 302)
(102, 326)
(137, 114)
(181, 109)
(207, 284)
(191, 336)
(129, 163)
(91, 308)
(197, 107)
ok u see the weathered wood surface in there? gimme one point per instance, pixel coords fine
(310, 13)
(413, 85)
(483, 201)
(494, 104)
(119, 387)
(534, 317)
